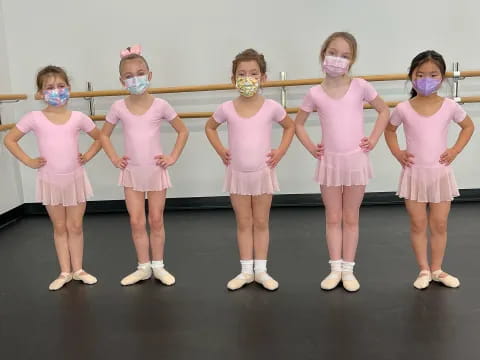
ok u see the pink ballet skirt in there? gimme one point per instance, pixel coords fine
(145, 178)
(428, 184)
(263, 181)
(69, 189)
(344, 169)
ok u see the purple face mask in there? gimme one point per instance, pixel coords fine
(427, 85)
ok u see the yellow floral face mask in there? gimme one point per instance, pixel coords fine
(247, 85)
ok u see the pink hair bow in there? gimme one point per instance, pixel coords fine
(135, 49)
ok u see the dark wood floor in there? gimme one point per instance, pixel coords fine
(199, 319)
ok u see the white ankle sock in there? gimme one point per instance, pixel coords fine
(336, 265)
(247, 266)
(347, 266)
(156, 264)
(260, 266)
(144, 266)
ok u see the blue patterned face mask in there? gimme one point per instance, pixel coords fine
(56, 97)
(137, 85)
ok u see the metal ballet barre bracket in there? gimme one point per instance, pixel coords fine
(456, 76)
(91, 100)
(283, 90)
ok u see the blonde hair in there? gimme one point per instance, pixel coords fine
(349, 38)
(131, 57)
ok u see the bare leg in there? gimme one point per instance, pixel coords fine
(438, 229)
(332, 199)
(418, 235)
(136, 209)
(418, 231)
(352, 199)
(156, 206)
(75, 234)
(58, 216)
(242, 206)
(261, 213)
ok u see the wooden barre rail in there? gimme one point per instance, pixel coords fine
(6, 127)
(276, 83)
(291, 110)
(213, 87)
(13, 97)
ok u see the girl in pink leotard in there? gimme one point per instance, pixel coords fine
(143, 167)
(427, 177)
(343, 168)
(250, 163)
(62, 183)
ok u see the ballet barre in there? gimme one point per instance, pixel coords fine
(13, 97)
(89, 95)
(6, 127)
(293, 110)
(268, 84)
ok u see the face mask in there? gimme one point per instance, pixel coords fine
(137, 85)
(247, 86)
(427, 85)
(335, 66)
(56, 97)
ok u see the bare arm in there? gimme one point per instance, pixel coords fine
(119, 162)
(212, 135)
(403, 156)
(465, 134)
(392, 139)
(182, 136)
(381, 123)
(315, 149)
(288, 131)
(11, 143)
(463, 138)
(94, 148)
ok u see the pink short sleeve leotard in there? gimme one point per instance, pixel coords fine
(249, 141)
(141, 134)
(426, 136)
(342, 124)
(62, 181)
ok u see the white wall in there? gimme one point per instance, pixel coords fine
(189, 43)
(10, 181)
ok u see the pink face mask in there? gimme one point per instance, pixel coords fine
(335, 66)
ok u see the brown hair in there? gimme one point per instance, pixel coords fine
(249, 55)
(51, 70)
(131, 57)
(349, 38)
